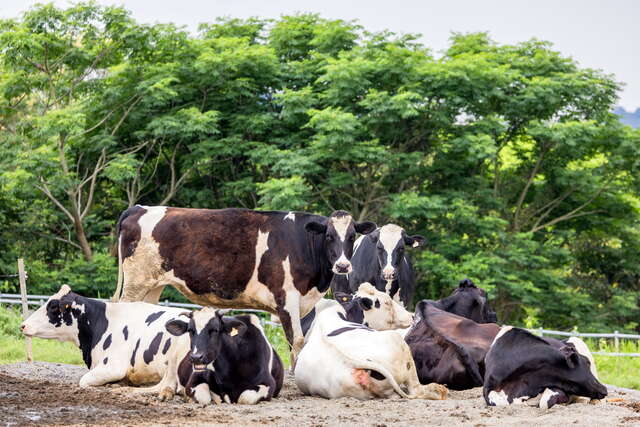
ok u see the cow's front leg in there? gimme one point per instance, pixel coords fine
(101, 375)
(289, 315)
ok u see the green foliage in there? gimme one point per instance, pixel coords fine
(506, 157)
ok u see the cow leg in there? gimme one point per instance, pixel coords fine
(290, 319)
(137, 291)
(251, 397)
(153, 296)
(101, 375)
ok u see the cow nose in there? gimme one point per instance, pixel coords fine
(389, 273)
(22, 326)
(196, 358)
(343, 267)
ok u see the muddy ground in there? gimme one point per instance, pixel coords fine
(46, 393)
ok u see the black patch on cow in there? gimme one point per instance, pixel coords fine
(135, 350)
(128, 230)
(107, 342)
(106, 359)
(149, 353)
(166, 346)
(125, 332)
(377, 304)
(341, 330)
(376, 375)
(153, 317)
(91, 318)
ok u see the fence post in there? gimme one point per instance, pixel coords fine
(616, 341)
(25, 310)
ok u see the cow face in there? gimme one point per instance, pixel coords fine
(339, 235)
(391, 241)
(207, 329)
(471, 302)
(374, 309)
(55, 319)
(573, 372)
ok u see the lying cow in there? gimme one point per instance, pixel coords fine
(520, 366)
(379, 258)
(119, 341)
(230, 358)
(281, 262)
(449, 349)
(343, 358)
(469, 301)
(368, 306)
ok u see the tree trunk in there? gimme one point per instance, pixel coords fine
(82, 239)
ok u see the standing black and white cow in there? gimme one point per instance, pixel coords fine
(230, 358)
(119, 341)
(469, 301)
(520, 366)
(379, 258)
(282, 262)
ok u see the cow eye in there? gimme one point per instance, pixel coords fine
(329, 238)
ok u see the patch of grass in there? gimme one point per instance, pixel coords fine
(12, 350)
(275, 334)
(620, 371)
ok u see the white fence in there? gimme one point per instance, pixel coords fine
(41, 299)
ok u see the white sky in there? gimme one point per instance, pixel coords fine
(602, 34)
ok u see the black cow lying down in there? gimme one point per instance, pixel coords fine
(230, 359)
(449, 349)
(469, 301)
(520, 366)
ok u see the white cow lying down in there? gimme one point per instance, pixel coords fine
(119, 341)
(343, 358)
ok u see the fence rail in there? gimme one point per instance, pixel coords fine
(38, 300)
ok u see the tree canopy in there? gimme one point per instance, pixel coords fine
(507, 158)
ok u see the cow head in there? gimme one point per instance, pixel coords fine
(469, 301)
(56, 319)
(373, 308)
(339, 235)
(390, 241)
(207, 328)
(573, 371)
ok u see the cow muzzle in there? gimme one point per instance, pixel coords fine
(24, 328)
(389, 274)
(342, 267)
(197, 360)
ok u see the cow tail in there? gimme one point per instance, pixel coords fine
(370, 365)
(116, 295)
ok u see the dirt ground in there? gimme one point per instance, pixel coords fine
(46, 393)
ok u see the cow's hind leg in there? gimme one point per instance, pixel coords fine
(101, 375)
(153, 296)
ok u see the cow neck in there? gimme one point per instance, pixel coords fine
(92, 324)
(320, 263)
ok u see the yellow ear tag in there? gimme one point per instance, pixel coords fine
(233, 332)
(66, 306)
(344, 298)
(415, 244)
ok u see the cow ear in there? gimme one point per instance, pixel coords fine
(342, 297)
(176, 327)
(315, 227)
(365, 227)
(570, 355)
(414, 241)
(365, 303)
(233, 326)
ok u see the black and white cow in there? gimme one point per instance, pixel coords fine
(469, 301)
(282, 262)
(347, 359)
(520, 366)
(368, 306)
(379, 258)
(119, 341)
(230, 358)
(449, 349)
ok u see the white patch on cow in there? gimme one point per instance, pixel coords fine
(150, 219)
(251, 397)
(233, 332)
(201, 394)
(582, 349)
(202, 317)
(291, 216)
(357, 243)
(519, 400)
(502, 331)
(227, 399)
(341, 225)
(387, 287)
(292, 305)
(390, 235)
(498, 398)
(78, 307)
(547, 394)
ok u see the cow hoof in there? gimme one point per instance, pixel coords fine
(166, 394)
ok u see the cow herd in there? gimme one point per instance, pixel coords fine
(363, 343)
